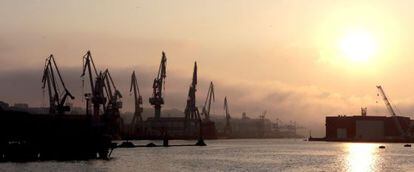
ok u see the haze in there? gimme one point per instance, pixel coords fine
(278, 55)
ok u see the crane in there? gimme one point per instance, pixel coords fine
(191, 110)
(227, 128)
(111, 112)
(157, 100)
(97, 97)
(137, 119)
(56, 101)
(207, 104)
(391, 111)
(113, 94)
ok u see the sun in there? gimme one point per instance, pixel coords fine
(358, 45)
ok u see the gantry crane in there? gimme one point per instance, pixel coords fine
(227, 127)
(191, 110)
(137, 119)
(96, 97)
(392, 112)
(207, 104)
(56, 100)
(157, 99)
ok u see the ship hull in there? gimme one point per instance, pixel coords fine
(25, 136)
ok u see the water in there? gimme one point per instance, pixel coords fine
(243, 155)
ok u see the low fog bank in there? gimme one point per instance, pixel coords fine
(307, 105)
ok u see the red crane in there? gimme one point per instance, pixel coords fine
(391, 111)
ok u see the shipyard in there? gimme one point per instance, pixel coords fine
(91, 130)
(194, 86)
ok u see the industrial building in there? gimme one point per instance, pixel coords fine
(174, 127)
(363, 128)
(366, 128)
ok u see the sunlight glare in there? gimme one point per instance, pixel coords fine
(362, 157)
(358, 45)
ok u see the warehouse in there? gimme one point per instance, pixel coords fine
(366, 128)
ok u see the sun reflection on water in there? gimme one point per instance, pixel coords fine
(361, 157)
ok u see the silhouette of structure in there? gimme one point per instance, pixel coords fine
(364, 128)
(56, 135)
(227, 128)
(157, 100)
(56, 101)
(209, 127)
(137, 126)
(96, 97)
(191, 110)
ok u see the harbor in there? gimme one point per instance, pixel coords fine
(242, 154)
(200, 86)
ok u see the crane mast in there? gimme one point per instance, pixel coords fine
(56, 101)
(137, 119)
(157, 99)
(391, 111)
(227, 128)
(207, 104)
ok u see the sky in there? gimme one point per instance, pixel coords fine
(297, 59)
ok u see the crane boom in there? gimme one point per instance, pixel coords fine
(386, 101)
(157, 99)
(391, 111)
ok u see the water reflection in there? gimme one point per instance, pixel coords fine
(361, 157)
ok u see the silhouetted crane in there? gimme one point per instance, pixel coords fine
(97, 97)
(56, 100)
(113, 94)
(391, 111)
(207, 104)
(137, 119)
(191, 110)
(157, 100)
(227, 127)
